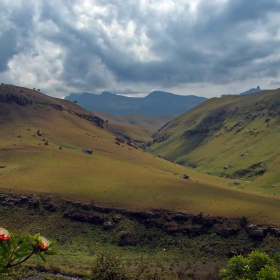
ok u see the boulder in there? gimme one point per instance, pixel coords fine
(255, 231)
(119, 139)
(88, 150)
(108, 225)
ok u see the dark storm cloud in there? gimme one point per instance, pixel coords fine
(14, 26)
(105, 44)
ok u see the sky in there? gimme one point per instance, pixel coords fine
(133, 47)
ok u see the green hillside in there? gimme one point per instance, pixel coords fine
(233, 137)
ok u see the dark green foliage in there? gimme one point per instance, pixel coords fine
(108, 267)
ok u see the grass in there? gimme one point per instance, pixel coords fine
(83, 241)
(124, 177)
(119, 175)
(257, 141)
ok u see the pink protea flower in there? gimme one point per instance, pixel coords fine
(44, 243)
(4, 234)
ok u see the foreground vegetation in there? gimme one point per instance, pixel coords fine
(82, 243)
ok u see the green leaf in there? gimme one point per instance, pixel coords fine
(42, 258)
(4, 271)
(36, 237)
(5, 249)
(12, 239)
(51, 252)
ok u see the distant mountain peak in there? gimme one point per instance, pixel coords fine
(252, 90)
(156, 103)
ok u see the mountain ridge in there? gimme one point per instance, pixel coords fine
(235, 137)
(156, 103)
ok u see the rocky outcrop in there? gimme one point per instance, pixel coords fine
(19, 99)
(82, 216)
(110, 218)
(119, 139)
(256, 169)
(192, 132)
(92, 118)
(160, 138)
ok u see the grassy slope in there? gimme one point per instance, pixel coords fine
(112, 175)
(258, 140)
(133, 125)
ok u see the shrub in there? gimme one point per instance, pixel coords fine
(257, 266)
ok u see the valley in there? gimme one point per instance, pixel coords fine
(216, 162)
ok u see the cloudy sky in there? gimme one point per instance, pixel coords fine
(199, 47)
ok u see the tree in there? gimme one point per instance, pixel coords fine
(257, 266)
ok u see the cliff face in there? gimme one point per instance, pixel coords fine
(19, 99)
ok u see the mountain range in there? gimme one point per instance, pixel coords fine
(156, 103)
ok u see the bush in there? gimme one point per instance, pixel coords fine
(257, 266)
(108, 266)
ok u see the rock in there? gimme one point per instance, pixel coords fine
(119, 139)
(117, 219)
(255, 231)
(46, 143)
(225, 167)
(88, 150)
(130, 143)
(186, 176)
(60, 148)
(236, 182)
(227, 232)
(108, 225)
(2, 166)
(208, 221)
(39, 133)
